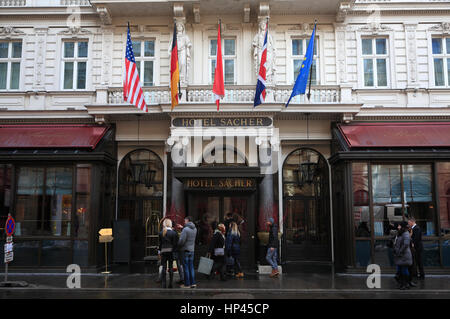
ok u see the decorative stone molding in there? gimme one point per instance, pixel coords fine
(10, 31)
(347, 118)
(443, 27)
(74, 31)
(178, 10)
(340, 30)
(39, 64)
(264, 10)
(302, 29)
(411, 53)
(247, 13)
(343, 11)
(196, 10)
(105, 15)
(374, 28)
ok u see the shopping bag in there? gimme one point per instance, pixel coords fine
(205, 265)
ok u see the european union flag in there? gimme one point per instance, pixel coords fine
(302, 79)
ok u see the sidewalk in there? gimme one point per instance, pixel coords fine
(123, 285)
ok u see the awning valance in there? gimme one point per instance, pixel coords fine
(396, 135)
(51, 136)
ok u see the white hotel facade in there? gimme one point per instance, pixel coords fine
(371, 146)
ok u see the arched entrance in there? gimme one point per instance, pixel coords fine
(141, 176)
(306, 217)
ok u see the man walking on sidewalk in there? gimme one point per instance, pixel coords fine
(186, 244)
(272, 248)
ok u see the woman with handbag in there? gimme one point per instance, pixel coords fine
(168, 240)
(217, 252)
(233, 248)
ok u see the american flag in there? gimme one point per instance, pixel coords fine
(132, 89)
(260, 94)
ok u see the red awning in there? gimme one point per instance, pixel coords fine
(396, 134)
(51, 136)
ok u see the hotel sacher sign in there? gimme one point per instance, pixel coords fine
(223, 122)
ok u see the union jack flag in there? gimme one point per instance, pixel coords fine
(260, 94)
(132, 89)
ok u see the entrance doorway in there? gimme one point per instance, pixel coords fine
(209, 208)
(306, 216)
(144, 215)
(141, 175)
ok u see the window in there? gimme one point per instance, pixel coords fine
(398, 192)
(5, 193)
(299, 47)
(74, 65)
(10, 56)
(229, 59)
(375, 61)
(441, 61)
(44, 201)
(361, 200)
(144, 54)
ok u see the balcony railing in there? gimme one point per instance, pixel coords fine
(233, 94)
(43, 3)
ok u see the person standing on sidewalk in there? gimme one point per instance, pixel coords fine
(272, 248)
(168, 241)
(187, 246)
(417, 244)
(402, 254)
(217, 252)
(233, 248)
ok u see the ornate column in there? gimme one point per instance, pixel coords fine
(268, 163)
(178, 153)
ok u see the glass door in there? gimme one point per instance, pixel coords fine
(207, 209)
(305, 231)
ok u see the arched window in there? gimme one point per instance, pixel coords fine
(141, 174)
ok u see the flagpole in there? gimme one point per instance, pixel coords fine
(310, 68)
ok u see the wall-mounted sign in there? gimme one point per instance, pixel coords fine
(222, 122)
(220, 183)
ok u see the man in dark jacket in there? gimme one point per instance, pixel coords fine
(217, 252)
(272, 247)
(186, 244)
(417, 245)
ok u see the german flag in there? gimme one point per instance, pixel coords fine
(174, 69)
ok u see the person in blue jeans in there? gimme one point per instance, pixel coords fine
(272, 247)
(186, 245)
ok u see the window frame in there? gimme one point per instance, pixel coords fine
(374, 57)
(212, 58)
(75, 59)
(293, 58)
(9, 60)
(445, 56)
(142, 59)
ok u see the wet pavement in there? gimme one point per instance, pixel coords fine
(123, 284)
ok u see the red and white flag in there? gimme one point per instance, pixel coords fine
(132, 89)
(219, 86)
